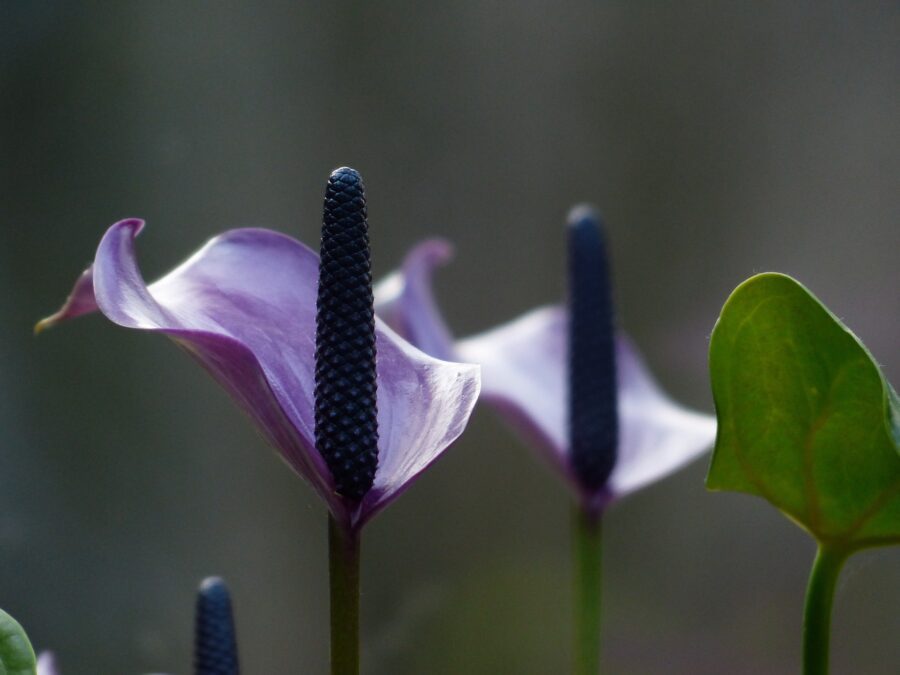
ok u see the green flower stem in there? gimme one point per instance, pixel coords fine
(817, 612)
(343, 568)
(588, 586)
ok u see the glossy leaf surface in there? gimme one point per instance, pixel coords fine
(806, 418)
(16, 654)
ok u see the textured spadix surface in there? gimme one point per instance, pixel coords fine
(806, 417)
(215, 639)
(346, 379)
(244, 307)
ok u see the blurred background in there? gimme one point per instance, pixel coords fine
(719, 139)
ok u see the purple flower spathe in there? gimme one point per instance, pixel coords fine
(244, 306)
(524, 378)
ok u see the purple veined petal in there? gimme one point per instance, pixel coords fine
(46, 664)
(405, 301)
(423, 406)
(244, 307)
(524, 369)
(238, 307)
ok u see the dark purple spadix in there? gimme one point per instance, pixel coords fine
(593, 416)
(215, 644)
(346, 414)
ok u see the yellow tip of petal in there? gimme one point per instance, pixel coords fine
(46, 323)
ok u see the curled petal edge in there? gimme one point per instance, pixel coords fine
(405, 300)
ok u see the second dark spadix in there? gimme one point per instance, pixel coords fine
(593, 416)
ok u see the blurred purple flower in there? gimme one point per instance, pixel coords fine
(244, 306)
(46, 664)
(524, 378)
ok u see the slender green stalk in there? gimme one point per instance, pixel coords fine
(343, 568)
(817, 612)
(587, 535)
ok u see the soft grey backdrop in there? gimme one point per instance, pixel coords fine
(720, 139)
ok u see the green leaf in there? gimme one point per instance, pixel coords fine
(16, 654)
(806, 419)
